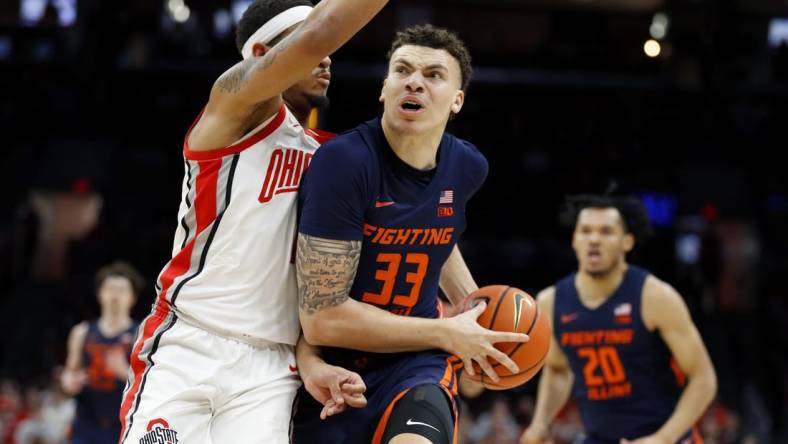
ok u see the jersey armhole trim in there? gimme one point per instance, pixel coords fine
(237, 147)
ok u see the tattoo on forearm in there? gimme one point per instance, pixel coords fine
(326, 269)
(236, 78)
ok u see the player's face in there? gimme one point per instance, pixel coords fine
(600, 241)
(422, 89)
(116, 294)
(310, 92)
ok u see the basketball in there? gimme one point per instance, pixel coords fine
(512, 310)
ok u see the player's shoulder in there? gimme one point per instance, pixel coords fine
(658, 290)
(468, 158)
(661, 304)
(82, 327)
(466, 149)
(546, 298)
(79, 332)
(349, 148)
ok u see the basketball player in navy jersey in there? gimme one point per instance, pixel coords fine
(624, 344)
(382, 208)
(96, 365)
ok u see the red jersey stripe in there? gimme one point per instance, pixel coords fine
(237, 147)
(138, 366)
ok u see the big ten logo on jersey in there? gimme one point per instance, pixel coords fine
(285, 169)
(446, 203)
(100, 377)
(603, 373)
(159, 432)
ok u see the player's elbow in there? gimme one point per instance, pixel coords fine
(706, 380)
(710, 379)
(317, 329)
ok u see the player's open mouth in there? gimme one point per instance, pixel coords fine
(411, 106)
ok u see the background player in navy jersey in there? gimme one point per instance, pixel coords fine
(382, 209)
(623, 340)
(96, 365)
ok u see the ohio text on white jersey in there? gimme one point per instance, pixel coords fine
(231, 269)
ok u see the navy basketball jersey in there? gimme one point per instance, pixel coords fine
(99, 401)
(626, 382)
(408, 220)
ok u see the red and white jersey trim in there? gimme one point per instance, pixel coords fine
(231, 268)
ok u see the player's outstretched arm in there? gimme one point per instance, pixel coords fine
(456, 279)
(555, 382)
(664, 310)
(330, 24)
(326, 269)
(73, 378)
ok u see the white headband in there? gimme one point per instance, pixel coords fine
(272, 28)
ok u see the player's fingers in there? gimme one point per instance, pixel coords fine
(505, 360)
(355, 379)
(353, 388)
(335, 410)
(335, 389)
(327, 407)
(488, 369)
(357, 401)
(500, 336)
(468, 365)
(476, 311)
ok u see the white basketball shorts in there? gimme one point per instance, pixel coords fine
(187, 385)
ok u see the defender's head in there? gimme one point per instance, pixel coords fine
(267, 22)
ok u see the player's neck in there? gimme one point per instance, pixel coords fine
(111, 324)
(594, 290)
(417, 150)
(302, 115)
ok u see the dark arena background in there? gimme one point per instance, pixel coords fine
(681, 102)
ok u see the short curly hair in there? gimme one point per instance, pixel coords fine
(259, 13)
(437, 38)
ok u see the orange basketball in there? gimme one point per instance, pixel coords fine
(511, 309)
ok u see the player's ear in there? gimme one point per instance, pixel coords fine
(381, 99)
(259, 49)
(459, 100)
(629, 242)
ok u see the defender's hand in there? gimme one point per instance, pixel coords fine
(335, 388)
(472, 342)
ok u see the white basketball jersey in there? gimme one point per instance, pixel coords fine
(232, 265)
